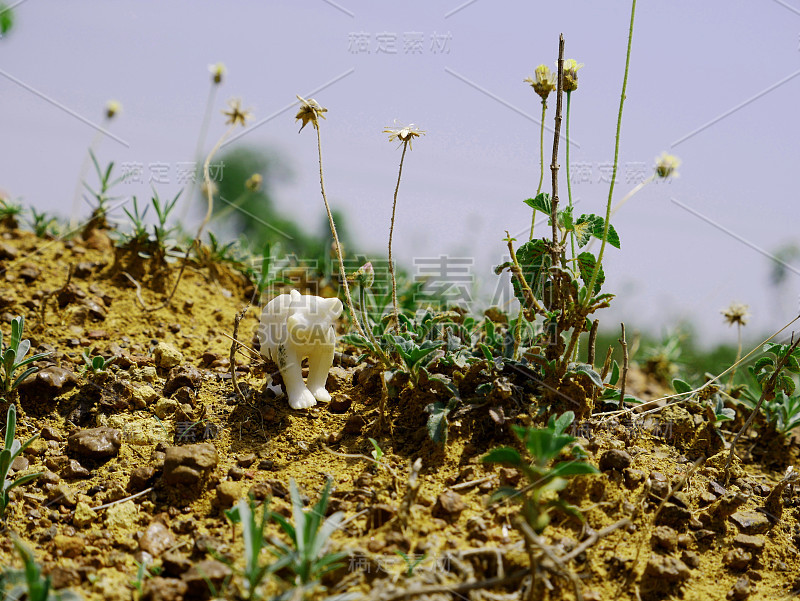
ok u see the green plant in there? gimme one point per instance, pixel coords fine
(411, 562)
(9, 212)
(254, 542)
(145, 569)
(406, 135)
(28, 584)
(6, 19)
(13, 358)
(306, 554)
(97, 364)
(772, 373)
(43, 225)
(557, 290)
(269, 266)
(222, 253)
(716, 410)
(377, 452)
(138, 235)
(544, 475)
(160, 245)
(11, 450)
(101, 194)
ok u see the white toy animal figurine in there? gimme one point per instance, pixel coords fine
(294, 326)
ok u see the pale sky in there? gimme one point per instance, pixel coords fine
(716, 83)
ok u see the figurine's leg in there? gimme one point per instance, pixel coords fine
(318, 367)
(291, 370)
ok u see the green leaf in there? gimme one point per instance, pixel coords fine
(540, 203)
(534, 261)
(6, 19)
(11, 426)
(504, 492)
(584, 227)
(437, 422)
(565, 219)
(22, 480)
(504, 455)
(573, 468)
(680, 386)
(763, 362)
(587, 369)
(725, 414)
(586, 264)
(786, 383)
(598, 228)
(614, 378)
(562, 422)
(613, 237)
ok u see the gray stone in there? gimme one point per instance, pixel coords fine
(449, 504)
(199, 576)
(614, 460)
(95, 443)
(189, 465)
(167, 356)
(667, 568)
(750, 522)
(156, 539)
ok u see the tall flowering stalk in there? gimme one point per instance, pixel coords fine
(405, 134)
(736, 313)
(569, 85)
(607, 223)
(218, 73)
(666, 167)
(235, 116)
(311, 112)
(543, 83)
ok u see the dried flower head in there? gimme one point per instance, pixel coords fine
(112, 108)
(310, 111)
(404, 133)
(667, 165)
(254, 182)
(217, 71)
(569, 80)
(365, 275)
(236, 114)
(544, 82)
(736, 313)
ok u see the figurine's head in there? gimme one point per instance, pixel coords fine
(311, 317)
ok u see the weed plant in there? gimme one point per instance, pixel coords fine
(11, 450)
(29, 584)
(543, 473)
(13, 359)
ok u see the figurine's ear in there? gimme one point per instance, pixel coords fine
(334, 307)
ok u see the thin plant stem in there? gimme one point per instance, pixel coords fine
(206, 219)
(616, 160)
(395, 316)
(624, 344)
(738, 352)
(569, 181)
(342, 274)
(630, 194)
(201, 140)
(556, 248)
(541, 162)
(73, 221)
(362, 295)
